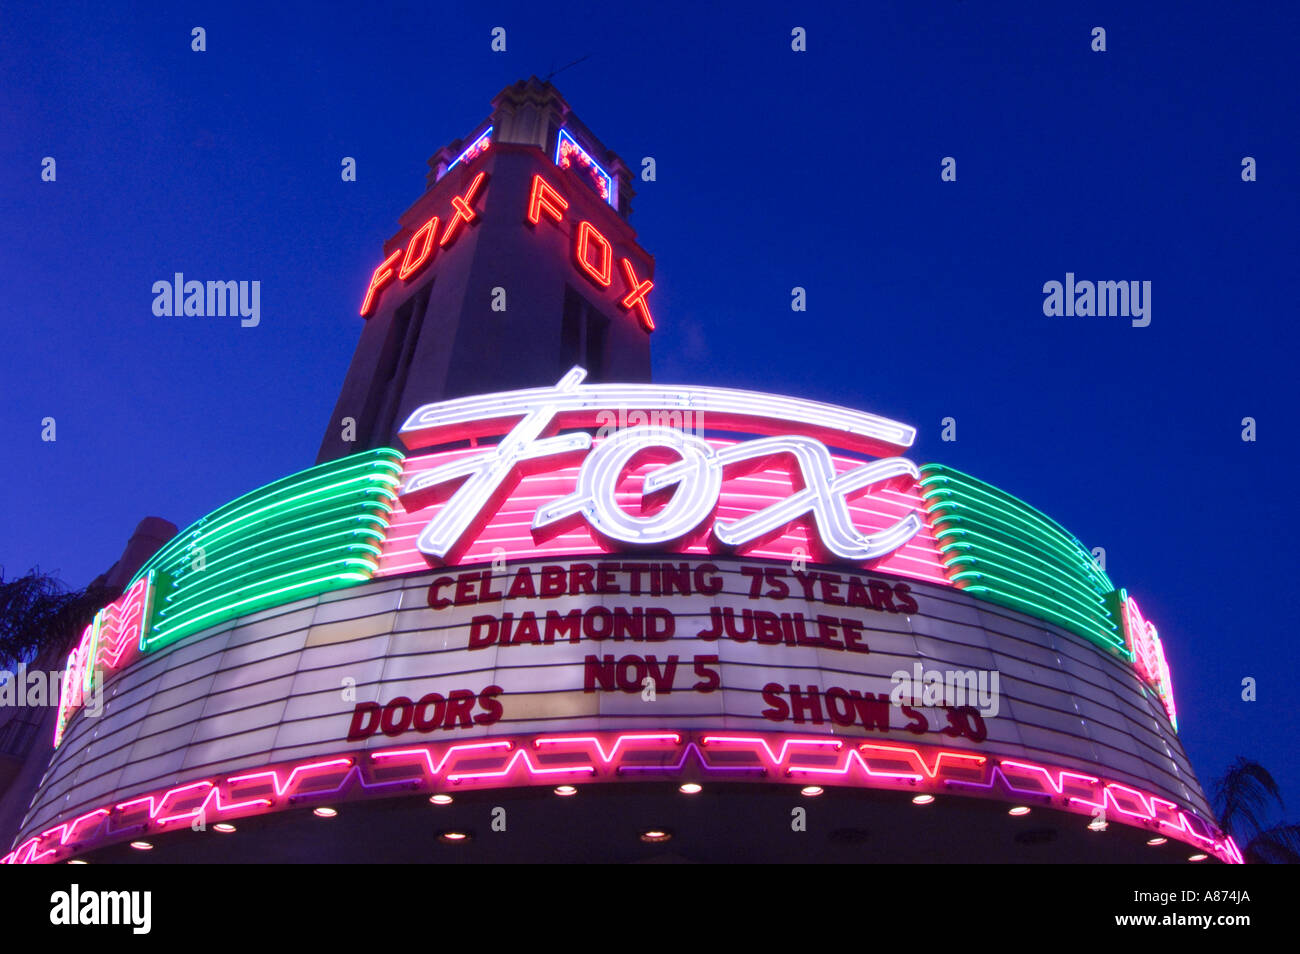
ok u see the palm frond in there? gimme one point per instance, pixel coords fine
(38, 612)
(1278, 845)
(1243, 797)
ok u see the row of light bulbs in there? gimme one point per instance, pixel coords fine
(651, 835)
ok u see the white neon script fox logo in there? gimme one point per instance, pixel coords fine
(697, 476)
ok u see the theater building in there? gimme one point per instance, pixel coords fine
(530, 605)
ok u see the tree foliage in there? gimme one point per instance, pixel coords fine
(1244, 798)
(38, 612)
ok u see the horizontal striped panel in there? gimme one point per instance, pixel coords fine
(1003, 550)
(317, 530)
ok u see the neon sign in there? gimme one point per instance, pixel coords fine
(999, 548)
(111, 641)
(545, 487)
(613, 758)
(570, 155)
(419, 252)
(695, 478)
(474, 150)
(592, 253)
(1148, 653)
(504, 531)
(314, 531)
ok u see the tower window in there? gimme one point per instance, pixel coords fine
(583, 333)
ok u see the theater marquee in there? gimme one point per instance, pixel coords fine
(528, 593)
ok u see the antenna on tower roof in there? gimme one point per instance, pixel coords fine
(563, 68)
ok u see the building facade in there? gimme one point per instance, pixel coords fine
(531, 606)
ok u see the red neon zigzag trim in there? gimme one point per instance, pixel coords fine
(524, 760)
